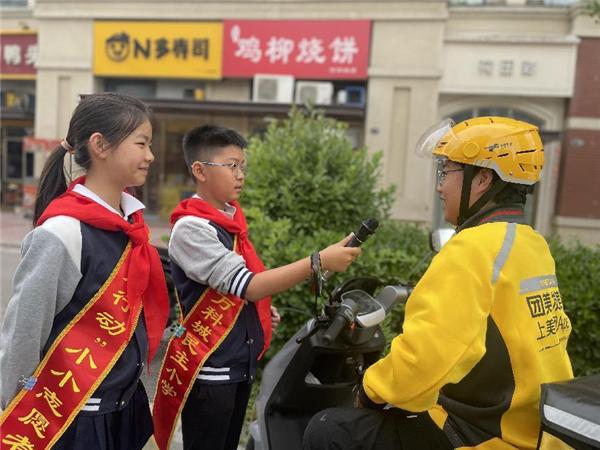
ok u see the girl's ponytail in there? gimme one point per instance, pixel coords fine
(52, 182)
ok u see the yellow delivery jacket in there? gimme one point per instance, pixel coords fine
(484, 327)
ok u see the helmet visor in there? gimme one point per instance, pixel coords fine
(431, 138)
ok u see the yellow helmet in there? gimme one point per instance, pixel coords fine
(511, 148)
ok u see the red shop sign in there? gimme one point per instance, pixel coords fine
(18, 55)
(308, 49)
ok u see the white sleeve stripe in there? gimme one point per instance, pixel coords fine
(215, 369)
(236, 277)
(214, 377)
(237, 280)
(246, 284)
(90, 408)
(242, 287)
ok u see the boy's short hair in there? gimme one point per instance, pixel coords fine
(204, 142)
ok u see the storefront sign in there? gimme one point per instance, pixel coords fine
(316, 49)
(18, 55)
(158, 49)
(537, 69)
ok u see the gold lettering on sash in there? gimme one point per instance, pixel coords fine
(180, 358)
(37, 420)
(84, 352)
(203, 331)
(109, 323)
(68, 375)
(167, 389)
(173, 374)
(18, 442)
(223, 302)
(212, 314)
(190, 342)
(120, 296)
(52, 399)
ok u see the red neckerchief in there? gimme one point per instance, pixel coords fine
(200, 208)
(146, 279)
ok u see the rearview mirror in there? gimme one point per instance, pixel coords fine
(438, 238)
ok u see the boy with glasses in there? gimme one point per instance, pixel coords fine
(224, 292)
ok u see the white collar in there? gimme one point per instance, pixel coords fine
(229, 210)
(129, 203)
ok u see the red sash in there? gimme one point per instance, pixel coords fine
(208, 323)
(78, 361)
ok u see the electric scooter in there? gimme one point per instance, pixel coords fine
(321, 364)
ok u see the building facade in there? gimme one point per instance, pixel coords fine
(422, 61)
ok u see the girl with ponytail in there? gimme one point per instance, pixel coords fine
(89, 300)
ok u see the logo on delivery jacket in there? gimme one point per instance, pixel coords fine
(117, 47)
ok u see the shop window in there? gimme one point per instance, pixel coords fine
(136, 88)
(29, 164)
(14, 159)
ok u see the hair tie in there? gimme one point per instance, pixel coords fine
(71, 169)
(64, 144)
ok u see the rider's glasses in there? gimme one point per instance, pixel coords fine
(441, 174)
(236, 168)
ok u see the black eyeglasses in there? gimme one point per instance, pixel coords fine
(441, 174)
(236, 168)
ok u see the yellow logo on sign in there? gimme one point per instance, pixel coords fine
(158, 49)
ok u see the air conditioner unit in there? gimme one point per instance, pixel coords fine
(351, 95)
(314, 92)
(273, 88)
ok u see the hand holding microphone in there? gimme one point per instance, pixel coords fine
(337, 257)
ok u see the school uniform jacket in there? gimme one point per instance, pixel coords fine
(64, 263)
(484, 327)
(202, 255)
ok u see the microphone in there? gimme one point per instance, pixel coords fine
(365, 230)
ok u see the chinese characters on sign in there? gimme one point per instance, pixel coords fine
(304, 49)
(158, 49)
(506, 68)
(18, 55)
(121, 46)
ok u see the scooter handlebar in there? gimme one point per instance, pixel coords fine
(344, 316)
(390, 295)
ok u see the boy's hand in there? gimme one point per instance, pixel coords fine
(275, 318)
(337, 258)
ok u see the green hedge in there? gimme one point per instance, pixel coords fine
(307, 187)
(578, 273)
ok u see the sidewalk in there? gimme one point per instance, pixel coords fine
(14, 227)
